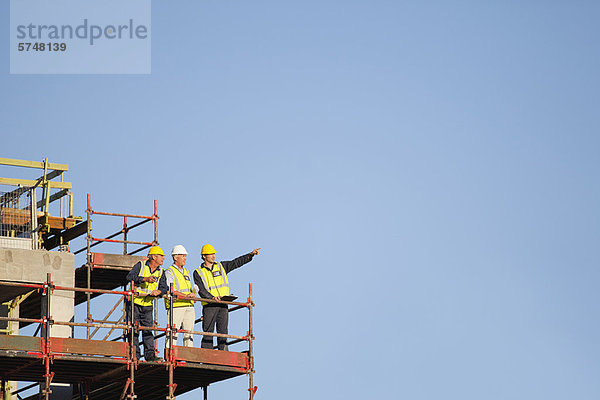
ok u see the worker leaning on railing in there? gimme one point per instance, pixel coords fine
(145, 276)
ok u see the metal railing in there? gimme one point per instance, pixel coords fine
(18, 221)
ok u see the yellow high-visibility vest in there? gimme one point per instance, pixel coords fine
(215, 280)
(143, 297)
(182, 282)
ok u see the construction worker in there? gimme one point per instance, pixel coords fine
(145, 276)
(212, 282)
(183, 290)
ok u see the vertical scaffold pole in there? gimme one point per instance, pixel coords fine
(132, 362)
(251, 388)
(62, 200)
(5, 389)
(171, 355)
(34, 224)
(86, 394)
(125, 235)
(48, 321)
(70, 204)
(155, 220)
(46, 191)
(89, 263)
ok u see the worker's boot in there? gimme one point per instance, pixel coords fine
(152, 357)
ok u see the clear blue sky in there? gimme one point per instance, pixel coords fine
(422, 178)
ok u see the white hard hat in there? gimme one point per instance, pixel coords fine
(179, 249)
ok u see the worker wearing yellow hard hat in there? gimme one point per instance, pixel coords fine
(156, 250)
(145, 277)
(213, 283)
(208, 249)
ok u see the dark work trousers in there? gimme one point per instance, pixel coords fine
(214, 314)
(143, 316)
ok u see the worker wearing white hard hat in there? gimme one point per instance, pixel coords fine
(177, 277)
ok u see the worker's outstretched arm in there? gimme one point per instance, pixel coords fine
(238, 262)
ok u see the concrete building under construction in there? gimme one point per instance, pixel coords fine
(41, 286)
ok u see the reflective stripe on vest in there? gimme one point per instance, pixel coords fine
(145, 288)
(182, 283)
(216, 285)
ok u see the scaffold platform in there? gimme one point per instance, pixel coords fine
(102, 369)
(104, 372)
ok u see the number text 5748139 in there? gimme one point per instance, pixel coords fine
(40, 46)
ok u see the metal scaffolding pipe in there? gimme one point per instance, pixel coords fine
(149, 217)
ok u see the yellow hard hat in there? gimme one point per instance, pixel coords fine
(208, 249)
(156, 250)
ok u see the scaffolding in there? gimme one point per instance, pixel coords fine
(101, 369)
(26, 222)
(97, 369)
(109, 271)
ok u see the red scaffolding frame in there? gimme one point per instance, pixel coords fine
(91, 363)
(108, 368)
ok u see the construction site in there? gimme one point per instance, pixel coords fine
(46, 351)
